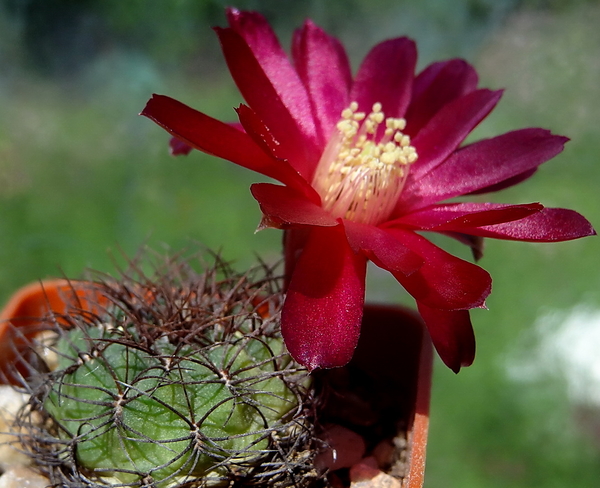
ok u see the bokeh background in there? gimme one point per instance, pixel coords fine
(84, 181)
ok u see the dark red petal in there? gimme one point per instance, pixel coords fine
(386, 76)
(262, 135)
(282, 206)
(452, 335)
(449, 127)
(179, 148)
(207, 134)
(219, 139)
(460, 217)
(265, 49)
(324, 68)
(294, 240)
(515, 180)
(434, 87)
(382, 248)
(321, 316)
(271, 86)
(548, 225)
(476, 243)
(483, 164)
(444, 281)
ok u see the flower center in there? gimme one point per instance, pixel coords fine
(361, 173)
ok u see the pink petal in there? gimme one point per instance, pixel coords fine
(386, 76)
(444, 281)
(324, 68)
(321, 316)
(382, 248)
(179, 148)
(262, 135)
(271, 86)
(214, 137)
(482, 164)
(452, 335)
(434, 87)
(449, 127)
(282, 206)
(506, 183)
(460, 217)
(548, 225)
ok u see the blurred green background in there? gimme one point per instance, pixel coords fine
(83, 180)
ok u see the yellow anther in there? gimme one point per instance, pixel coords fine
(400, 124)
(377, 117)
(389, 147)
(361, 174)
(347, 113)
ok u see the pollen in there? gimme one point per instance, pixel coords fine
(364, 167)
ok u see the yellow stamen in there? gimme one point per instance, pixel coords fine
(359, 176)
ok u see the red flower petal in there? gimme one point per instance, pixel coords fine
(444, 281)
(386, 76)
(219, 139)
(382, 248)
(482, 164)
(271, 86)
(548, 225)
(282, 206)
(207, 134)
(324, 68)
(261, 134)
(434, 87)
(449, 127)
(179, 148)
(474, 242)
(321, 316)
(460, 217)
(506, 183)
(452, 335)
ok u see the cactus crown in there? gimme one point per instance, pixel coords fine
(177, 379)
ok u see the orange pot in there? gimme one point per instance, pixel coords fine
(20, 320)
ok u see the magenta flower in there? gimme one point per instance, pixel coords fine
(368, 163)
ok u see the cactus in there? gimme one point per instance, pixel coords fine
(175, 382)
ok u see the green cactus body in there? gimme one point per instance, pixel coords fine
(165, 414)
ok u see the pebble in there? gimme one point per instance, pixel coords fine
(366, 475)
(23, 477)
(10, 403)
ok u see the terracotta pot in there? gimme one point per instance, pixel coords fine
(20, 320)
(394, 348)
